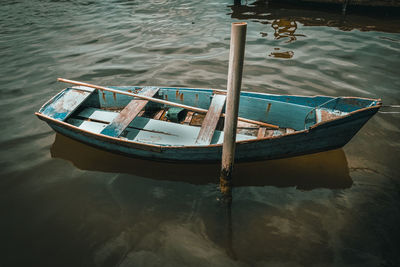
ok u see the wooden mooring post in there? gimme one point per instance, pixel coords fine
(236, 58)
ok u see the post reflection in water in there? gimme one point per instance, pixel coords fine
(321, 170)
(225, 213)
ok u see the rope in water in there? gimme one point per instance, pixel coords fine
(391, 106)
(390, 112)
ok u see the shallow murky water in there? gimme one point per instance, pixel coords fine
(66, 204)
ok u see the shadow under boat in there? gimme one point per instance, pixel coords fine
(321, 170)
(385, 19)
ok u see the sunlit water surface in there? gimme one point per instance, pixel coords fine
(66, 204)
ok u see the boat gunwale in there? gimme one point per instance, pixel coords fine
(160, 148)
(252, 92)
(378, 100)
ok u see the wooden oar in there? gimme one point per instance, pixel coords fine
(161, 101)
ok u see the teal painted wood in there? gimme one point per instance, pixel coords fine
(211, 120)
(124, 118)
(105, 116)
(111, 100)
(196, 98)
(66, 102)
(284, 114)
(154, 139)
(90, 126)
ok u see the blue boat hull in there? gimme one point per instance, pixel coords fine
(323, 136)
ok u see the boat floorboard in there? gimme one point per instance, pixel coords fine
(146, 130)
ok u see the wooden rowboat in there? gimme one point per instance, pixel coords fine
(148, 126)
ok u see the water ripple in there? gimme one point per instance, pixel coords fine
(186, 43)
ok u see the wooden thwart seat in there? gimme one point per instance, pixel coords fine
(261, 132)
(70, 99)
(124, 118)
(211, 120)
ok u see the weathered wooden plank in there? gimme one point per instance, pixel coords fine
(197, 119)
(159, 114)
(67, 102)
(289, 130)
(84, 88)
(247, 128)
(242, 124)
(189, 117)
(211, 120)
(124, 118)
(326, 114)
(261, 132)
(269, 133)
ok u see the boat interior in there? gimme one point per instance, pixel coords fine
(128, 118)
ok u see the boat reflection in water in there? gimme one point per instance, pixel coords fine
(321, 170)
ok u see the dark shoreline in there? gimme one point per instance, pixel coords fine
(371, 3)
(374, 7)
(363, 18)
